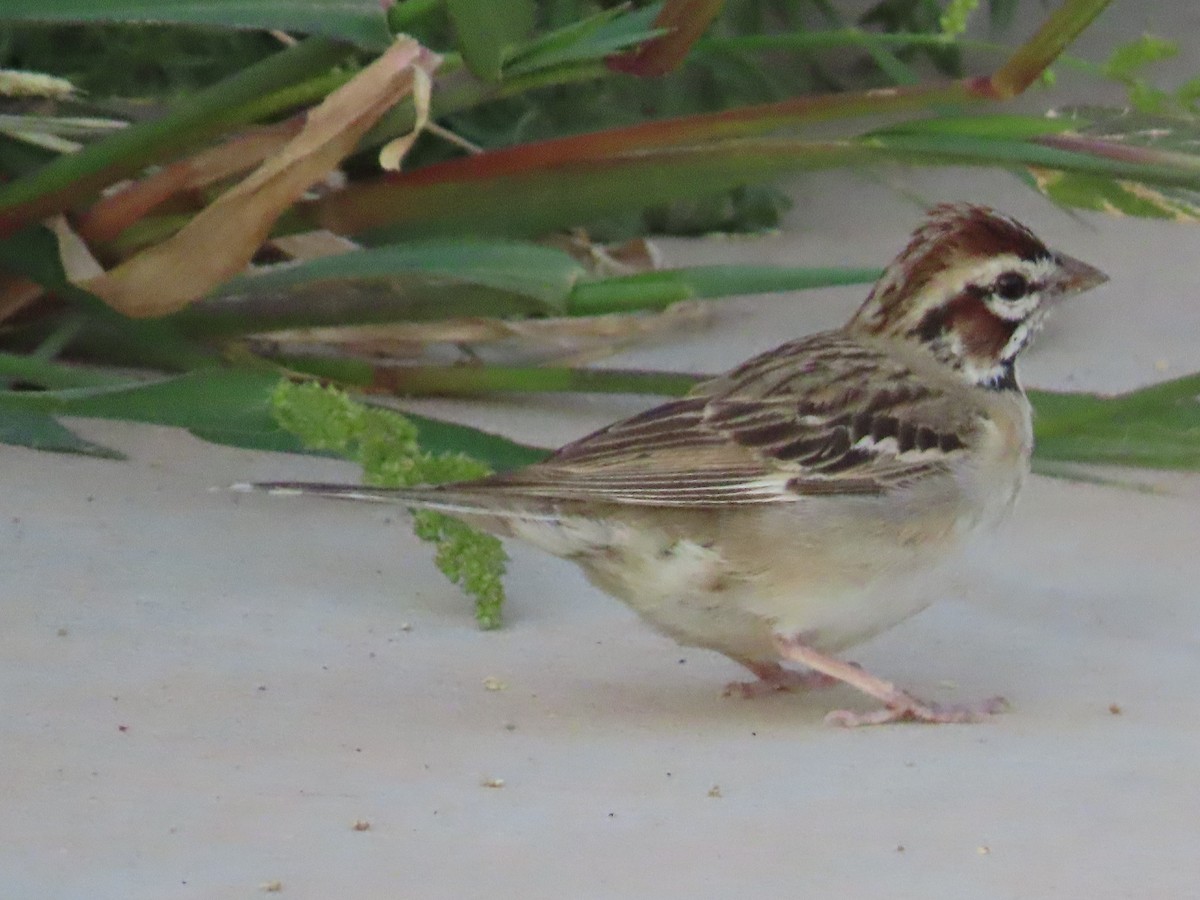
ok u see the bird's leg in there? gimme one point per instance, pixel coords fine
(772, 678)
(898, 705)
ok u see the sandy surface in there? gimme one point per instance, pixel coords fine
(204, 692)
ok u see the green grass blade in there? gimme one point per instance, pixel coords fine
(233, 407)
(431, 280)
(1155, 427)
(361, 22)
(38, 431)
(658, 289)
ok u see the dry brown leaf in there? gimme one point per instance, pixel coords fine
(116, 211)
(77, 260)
(313, 245)
(394, 151)
(219, 242)
(635, 255)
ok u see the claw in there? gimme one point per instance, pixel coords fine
(916, 711)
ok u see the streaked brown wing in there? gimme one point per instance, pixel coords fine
(796, 421)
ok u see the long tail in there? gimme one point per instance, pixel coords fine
(449, 498)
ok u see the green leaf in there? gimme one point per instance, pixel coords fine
(1133, 136)
(434, 280)
(361, 22)
(1177, 132)
(532, 200)
(954, 18)
(420, 281)
(222, 406)
(1128, 59)
(488, 32)
(543, 273)
(589, 39)
(28, 428)
(234, 408)
(1111, 195)
(500, 453)
(1155, 427)
(659, 289)
(1003, 126)
(1189, 93)
(683, 22)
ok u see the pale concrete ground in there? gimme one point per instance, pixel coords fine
(203, 692)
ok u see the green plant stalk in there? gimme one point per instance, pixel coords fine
(888, 62)
(1031, 59)
(250, 313)
(533, 201)
(52, 376)
(69, 179)
(308, 92)
(476, 381)
(1048, 151)
(658, 290)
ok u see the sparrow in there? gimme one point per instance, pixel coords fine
(808, 499)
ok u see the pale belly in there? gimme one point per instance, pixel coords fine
(731, 581)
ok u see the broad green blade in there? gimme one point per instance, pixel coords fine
(362, 22)
(234, 408)
(590, 39)
(1133, 136)
(39, 431)
(433, 280)
(421, 281)
(489, 32)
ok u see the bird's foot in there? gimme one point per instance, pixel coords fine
(773, 678)
(898, 705)
(911, 709)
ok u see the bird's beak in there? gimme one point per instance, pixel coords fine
(1077, 276)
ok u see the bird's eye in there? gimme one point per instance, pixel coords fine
(1011, 286)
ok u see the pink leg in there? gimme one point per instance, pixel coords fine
(772, 678)
(898, 705)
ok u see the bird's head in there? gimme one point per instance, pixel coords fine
(972, 287)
